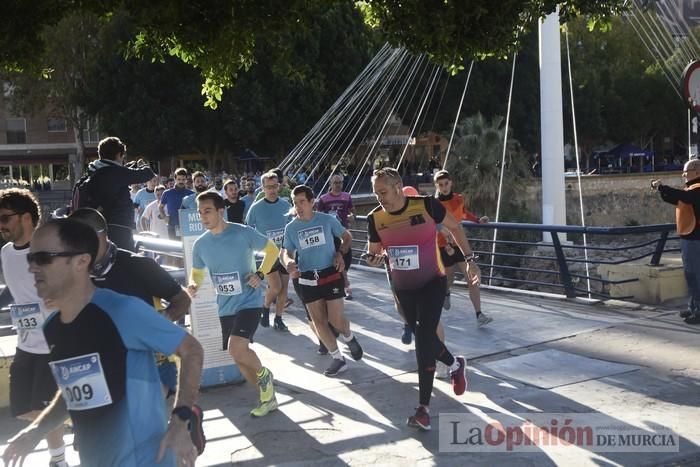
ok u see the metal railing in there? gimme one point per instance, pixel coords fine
(521, 259)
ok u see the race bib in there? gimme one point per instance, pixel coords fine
(82, 382)
(27, 317)
(404, 258)
(311, 237)
(227, 283)
(276, 235)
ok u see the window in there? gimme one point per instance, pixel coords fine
(56, 125)
(16, 131)
(91, 133)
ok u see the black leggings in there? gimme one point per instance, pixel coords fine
(422, 309)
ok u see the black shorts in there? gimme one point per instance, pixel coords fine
(243, 324)
(329, 285)
(277, 267)
(450, 260)
(32, 386)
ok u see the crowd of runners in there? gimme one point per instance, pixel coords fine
(97, 341)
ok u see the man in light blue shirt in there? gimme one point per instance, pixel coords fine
(269, 216)
(310, 256)
(227, 250)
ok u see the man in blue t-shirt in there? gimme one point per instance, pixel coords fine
(102, 358)
(310, 256)
(171, 201)
(227, 250)
(199, 183)
(269, 216)
(145, 196)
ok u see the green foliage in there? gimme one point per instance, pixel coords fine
(476, 162)
(450, 31)
(221, 39)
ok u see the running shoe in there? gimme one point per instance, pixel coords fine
(459, 377)
(265, 383)
(442, 371)
(197, 429)
(59, 463)
(685, 313)
(420, 420)
(355, 349)
(264, 408)
(482, 319)
(322, 350)
(447, 304)
(692, 319)
(265, 318)
(407, 335)
(279, 325)
(337, 367)
(348, 294)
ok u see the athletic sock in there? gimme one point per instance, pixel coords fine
(260, 373)
(58, 454)
(336, 354)
(346, 339)
(478, 313)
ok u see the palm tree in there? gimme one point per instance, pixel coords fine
(475, 163)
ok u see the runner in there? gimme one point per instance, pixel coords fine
(151, 220)
(404, 229)
(318, 273)
(31, 384)
(235, 207)
(339, 204)
(199, 183)
(227, 250)
(451, 256)
(137, 276)
(269, 216)
(170, 203)
(102, 346)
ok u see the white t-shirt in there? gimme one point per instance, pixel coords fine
(28, 310)
(155, 225)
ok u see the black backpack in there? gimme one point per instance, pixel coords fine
(84, 193)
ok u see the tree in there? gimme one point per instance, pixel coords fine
(451, 31)
(220, 39)
(72, 48)
(476, 162)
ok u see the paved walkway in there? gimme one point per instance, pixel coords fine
(573, 357)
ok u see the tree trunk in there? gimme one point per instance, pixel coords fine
(76, 162)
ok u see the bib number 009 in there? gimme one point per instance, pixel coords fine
(78, 393)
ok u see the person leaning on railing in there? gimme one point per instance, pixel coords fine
(687, 202)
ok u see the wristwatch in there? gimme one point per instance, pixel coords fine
(183, 412)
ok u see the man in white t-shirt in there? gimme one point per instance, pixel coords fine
(32, 385)
(149, 219)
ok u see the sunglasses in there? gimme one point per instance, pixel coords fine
(5, 218)
(42, 258)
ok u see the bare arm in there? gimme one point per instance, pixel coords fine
(177, 437)
(178, 306)
(26, 440)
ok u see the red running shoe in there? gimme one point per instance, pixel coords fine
(420, 420)
(459, 377)
(197, 430)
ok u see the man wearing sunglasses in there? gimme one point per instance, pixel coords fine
(102, 345)
(31, 384)
(141, 277)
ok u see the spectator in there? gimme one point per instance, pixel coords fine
(111, 180)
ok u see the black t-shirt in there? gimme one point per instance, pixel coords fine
(140, 277)
(234, 211)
